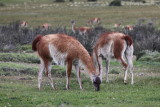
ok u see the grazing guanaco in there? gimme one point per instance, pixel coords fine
(94, 21)
(23, 24)
(117, 45)
(63, 50)
(80, 30)
(117, 25)
(45, 26)
(129, 27)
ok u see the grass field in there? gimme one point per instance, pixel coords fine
(61, 14)
(18, 87)
(22, 90)
(17, 92)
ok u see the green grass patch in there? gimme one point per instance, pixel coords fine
(150, 56)
(24, 48)
(114, 71)
(139, 66)
(11, 69)
(19, 57)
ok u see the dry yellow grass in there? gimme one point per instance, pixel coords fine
(61, 14)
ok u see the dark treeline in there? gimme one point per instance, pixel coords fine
(144, 34)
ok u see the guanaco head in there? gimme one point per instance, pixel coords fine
(73, 22)
(23, 23)
(96, 82)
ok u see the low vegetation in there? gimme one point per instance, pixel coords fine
(13, 69)
(16, 69)
(19, 57)
(115, 3)
(145, 36)
(2, 4)
(150, 56)
(24, 48)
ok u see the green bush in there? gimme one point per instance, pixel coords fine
(59, 1)
(150, 56)
(115, 3)
(24, 48)
(140, 54)
(2, 4)
(145, 36)
(91, 0)
(143, 1)
(146, 58)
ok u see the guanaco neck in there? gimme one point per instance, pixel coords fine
(87, 61)
(95, 58)
(73, 27)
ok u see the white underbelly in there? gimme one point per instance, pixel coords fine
(58, 57)
(106, 50)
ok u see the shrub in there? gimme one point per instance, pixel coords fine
(13, 35)
(139, 1)
(140, 54)
(143, 1)
(150, 56)
(91, 0)
(90, 38)
(59, 1)
(145, 36)
(24, 48)
(115, 3)
(2, 4)
(146, 58)
(13, 38)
